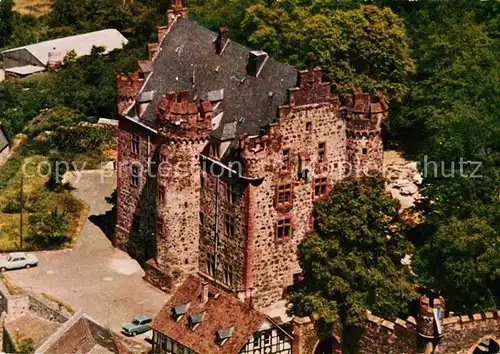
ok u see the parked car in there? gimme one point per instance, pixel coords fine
(17, 260)
(138, 325)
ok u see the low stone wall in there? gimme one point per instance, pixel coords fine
(381, 336)
(156, 277)
(463, 333)
(47, 309)
(18, 305)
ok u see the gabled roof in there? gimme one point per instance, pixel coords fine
(25, 70)
(187, 59)
(224, 318)
(82, 44)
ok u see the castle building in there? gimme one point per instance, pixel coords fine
(223, 152)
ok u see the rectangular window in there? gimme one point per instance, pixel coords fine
(136, 141)
(364, 150)
(202, 181)
(230, 193)
(214, 150)
(228, 274)
(211, 265)
(284, 228)
(308, 127)
(321, 152)
(134, 175)
(229, 226)
(161, 194)
(285, 160)
(163, 157)
(160, 231)
(284, 194)
(320, 187)
(202, 219)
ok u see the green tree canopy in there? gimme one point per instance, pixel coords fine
(352, 262)
(363, 48)
(6, 20)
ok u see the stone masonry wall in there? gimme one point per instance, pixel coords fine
(231, 249)
(300, 130)
(463, 333)
(130, 197)
(178, 247)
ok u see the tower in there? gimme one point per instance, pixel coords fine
(364, 135)
(184, 129)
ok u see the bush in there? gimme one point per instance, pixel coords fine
(12, 206)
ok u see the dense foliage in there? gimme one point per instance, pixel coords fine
(6, 20)
(353, 259)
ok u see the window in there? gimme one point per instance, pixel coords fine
(230, 193)
(135, 176)
(308, 127)
(211, 265)
(214, 149)
(163, 157)
(229, 226)
(284, 228)
(136, 140)
(284, 194)
(320, 187)
(321, 152)
(228, 274)
(161, 194)
(285, 160)
(160, 231)
(202, 182)
(202, 219)
(267, 339)
(364, 150)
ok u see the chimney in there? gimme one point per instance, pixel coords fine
(55, 59)
(160, 33)
(222, 40)
(204, 292)
(176, 10)
(256, 61)
(152, 50)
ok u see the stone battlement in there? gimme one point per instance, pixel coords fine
(181, 119)
(127, 88)
(362, 115)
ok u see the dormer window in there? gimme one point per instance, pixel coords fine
(179, 311)
(195, 319)
(223, 335)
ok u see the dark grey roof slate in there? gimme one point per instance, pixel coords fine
(189, 49)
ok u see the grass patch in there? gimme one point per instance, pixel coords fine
(37, 198)
(35, 8)
(59, 303)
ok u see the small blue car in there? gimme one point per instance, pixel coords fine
(138, 325)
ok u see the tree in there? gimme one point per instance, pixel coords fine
(352, 261)
(6, 20)
(363, 48)
(48, 229)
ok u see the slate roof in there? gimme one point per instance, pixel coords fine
(187, 60)
(220, 314)
(82, 44)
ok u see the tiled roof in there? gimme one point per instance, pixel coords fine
(223, 315)
(187, 59)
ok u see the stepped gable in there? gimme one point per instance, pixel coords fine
(188, 59)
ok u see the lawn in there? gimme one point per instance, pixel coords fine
(34, 8)
(38, 199)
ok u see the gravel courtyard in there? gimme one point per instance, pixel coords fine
(102, 280)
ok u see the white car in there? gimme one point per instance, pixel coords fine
(17, 260)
